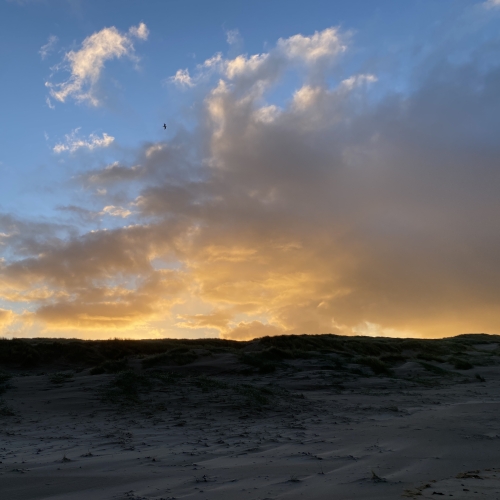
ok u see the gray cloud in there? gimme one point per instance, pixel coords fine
(339, 211)
(112, 174)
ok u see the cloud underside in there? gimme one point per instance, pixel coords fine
(335, 212)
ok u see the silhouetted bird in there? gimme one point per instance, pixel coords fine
(164, 125)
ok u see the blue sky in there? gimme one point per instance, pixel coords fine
(388, 35)
(182, 34)
(428, 59)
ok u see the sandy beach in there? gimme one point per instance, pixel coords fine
(206, 430)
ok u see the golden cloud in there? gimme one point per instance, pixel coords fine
(6, 317)
(251, 330)
(334, 212)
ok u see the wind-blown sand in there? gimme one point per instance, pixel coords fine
(205, 430)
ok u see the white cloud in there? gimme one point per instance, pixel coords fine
(305, 96)
(115, 211)
(233, 37)
(140, 31)
(86, 64)
(73, 142)
(323, 44)
(241, 65)
(317, 51)
(356, 80)
(213, 61)
(267, 114)
(154, 149)
(46, 49)
(182, 78)
(491, 4)
(3, 237)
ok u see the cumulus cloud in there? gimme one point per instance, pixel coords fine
(86, 64)
(141, 31)
(321, 45)
(46, 49)
(345, 208)
(182, 78)
(318, 51)
(73, 142)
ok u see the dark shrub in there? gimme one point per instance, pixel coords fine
(393, 358)
(262, 363)
(178, 356)
(129, 384)
(430, 357)
(110, 367)
(378, 366)
(434, 369)
(461, 364)
(258, 395)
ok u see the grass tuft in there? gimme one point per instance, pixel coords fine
(253, 394)
(128, 385)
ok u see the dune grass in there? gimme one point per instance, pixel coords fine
(360, 356)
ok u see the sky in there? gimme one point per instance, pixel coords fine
(326, 167)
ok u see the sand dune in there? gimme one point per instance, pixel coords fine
(205, 430)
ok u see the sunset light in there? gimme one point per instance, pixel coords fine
(323, 177)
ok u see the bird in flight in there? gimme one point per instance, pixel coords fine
(164, 125)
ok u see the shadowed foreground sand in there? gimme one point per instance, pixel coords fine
(216, 425)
